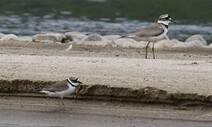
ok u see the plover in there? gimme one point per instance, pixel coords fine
(153, 32)
(61, 89)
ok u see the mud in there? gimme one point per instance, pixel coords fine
(106, 93)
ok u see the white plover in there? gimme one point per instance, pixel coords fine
(61, 89)
(153, 32)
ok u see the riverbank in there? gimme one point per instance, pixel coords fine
(108, 73)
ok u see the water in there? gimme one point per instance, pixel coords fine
(28, 17)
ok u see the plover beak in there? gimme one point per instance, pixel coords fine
(172, 21)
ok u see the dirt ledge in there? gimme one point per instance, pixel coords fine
(102, 92)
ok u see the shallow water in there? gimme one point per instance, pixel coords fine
(24, 17)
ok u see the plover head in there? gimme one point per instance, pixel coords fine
(165, 19)
(74, 81)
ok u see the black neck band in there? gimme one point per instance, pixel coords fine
(71, 83)
(164, 25)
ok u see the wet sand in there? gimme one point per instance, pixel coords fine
(16, 111)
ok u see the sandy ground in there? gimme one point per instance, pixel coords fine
(31, 112)
(174, 70)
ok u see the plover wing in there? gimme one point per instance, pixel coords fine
(57, 87)
(151, 30)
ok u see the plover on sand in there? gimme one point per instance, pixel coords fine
(153, 32)
(61, 89)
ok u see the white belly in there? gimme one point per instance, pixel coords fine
(60, 94)
(157, 38)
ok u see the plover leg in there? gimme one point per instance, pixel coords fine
(58, 100)
(77, 93)
(153, 50)
(147, 49)
(64, 107)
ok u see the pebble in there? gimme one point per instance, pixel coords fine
(9, 37)
(75, 36)
(49, 37)
(107, 40)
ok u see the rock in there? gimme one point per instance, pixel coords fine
(178, 44)
(166, 44)
(129, 43)
(67, 39)
(196, 40)
(49, 37)
(25, 39)
(76, 36)
(9, 37)
(95, 40)
(193, 44)
(1, 35)
(163, 44)
(12, 37)
(111, 37)
(97, 43)
(94, 37)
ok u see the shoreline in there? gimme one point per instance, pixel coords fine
(176, 76)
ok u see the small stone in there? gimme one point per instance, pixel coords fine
(196, 41)
(164, 44)
(95, 40)
(25, 38)
(9, 37)
(197, 37)
(75, 36)
(48, 37)
(97, 43)
(94, 37)
(178, 44)
(111, 37)
(129, 43)
(194, 63)
(67, 39)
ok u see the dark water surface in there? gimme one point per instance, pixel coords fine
(28, 17)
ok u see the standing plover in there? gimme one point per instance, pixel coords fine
(61, 89)
(153, 32)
